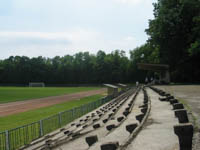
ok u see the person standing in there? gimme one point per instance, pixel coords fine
(146, 80)
(137, 83)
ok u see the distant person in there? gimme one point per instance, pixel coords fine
(137, 83)
(152, 80)
(146, 80)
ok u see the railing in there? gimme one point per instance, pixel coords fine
(15, 138)
(22, 135)
(2, 140)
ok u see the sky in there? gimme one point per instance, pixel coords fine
(51, 28)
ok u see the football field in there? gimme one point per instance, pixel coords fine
(12, 94)
(20, 106)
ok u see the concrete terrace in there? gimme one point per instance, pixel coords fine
(139, 119)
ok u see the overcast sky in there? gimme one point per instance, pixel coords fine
(59, 27)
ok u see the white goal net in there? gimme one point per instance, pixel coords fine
(36, 84)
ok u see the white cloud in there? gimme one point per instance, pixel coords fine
(47, 44)
(50, 44)
(130, 1)
(59, 27)
(72, 35)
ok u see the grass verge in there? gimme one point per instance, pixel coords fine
(12, 94)
(20, 119)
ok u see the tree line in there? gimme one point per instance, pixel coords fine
(81, 68)
(174, 39)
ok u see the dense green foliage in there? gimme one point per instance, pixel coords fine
(11, 94)
(174, 36)
(21, 119)
(81, 68)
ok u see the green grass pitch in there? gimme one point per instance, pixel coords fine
(21, 119)
(12, 94)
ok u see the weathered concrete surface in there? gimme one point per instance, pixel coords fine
(158, 132)
(191, 95)
(102, 132)
(120, 134)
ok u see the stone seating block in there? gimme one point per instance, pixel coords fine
(66, 132)
(173, 101)
(144, 110)
(131, 127)
(140, 117)
(110, 127)
(105, 120)
(110, 146)
(178, 106)
(125, 113)
(78, 125)
(182, 116)
(72, 124)
(91, 140)
(185, 135)
(96, 126)
(119, 119)
(110, 115)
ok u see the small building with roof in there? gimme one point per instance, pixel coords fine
(122, 86)
(112, 89)
(162, 69)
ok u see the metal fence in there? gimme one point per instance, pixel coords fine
(15, 138)
(2, 140)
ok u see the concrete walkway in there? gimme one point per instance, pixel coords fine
(190, 94)
(158, 133)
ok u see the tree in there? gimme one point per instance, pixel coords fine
(175, 33)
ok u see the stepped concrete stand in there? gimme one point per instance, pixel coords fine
(122, 86)
(161, 68)
(112, 90)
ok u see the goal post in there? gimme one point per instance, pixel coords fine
(36, 84)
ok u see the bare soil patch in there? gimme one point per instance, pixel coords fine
(23, 106)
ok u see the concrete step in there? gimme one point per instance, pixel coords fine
(82, 125)
(101, 132)
(121, 135)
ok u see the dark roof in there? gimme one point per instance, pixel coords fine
(153, 67)
(122, 85)
(111, 86)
